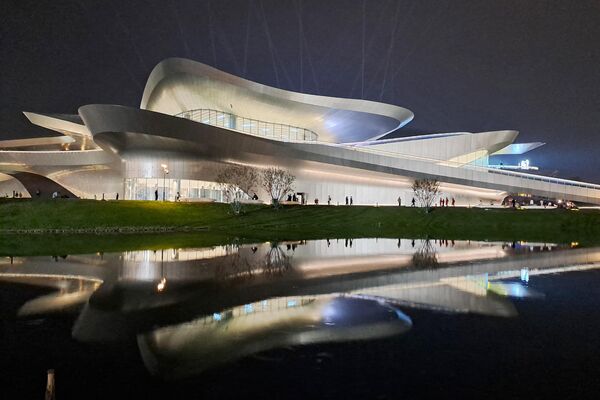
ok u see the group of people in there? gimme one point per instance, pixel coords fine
(513, 203)
(38, 193)
(294, 198)
(19, 195)
(442, 242)
(444, 202)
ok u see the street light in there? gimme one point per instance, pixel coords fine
(165, 172)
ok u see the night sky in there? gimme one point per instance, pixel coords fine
(532, 66)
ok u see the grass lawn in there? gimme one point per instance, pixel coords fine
(262, 223)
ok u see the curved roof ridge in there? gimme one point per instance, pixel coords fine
(267, 95)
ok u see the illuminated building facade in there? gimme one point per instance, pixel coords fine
(193, 120)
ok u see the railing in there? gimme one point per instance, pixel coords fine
(455, 164)
(547, 179)
(248, 125)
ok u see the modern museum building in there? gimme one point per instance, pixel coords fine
(194, 120)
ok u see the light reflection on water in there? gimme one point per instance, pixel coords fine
(191, 309)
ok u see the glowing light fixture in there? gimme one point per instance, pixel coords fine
(165, 173)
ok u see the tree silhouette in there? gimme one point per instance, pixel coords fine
(426, 190)
(237, 182)
(277, 183)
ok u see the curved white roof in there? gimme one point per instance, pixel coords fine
(447, 146)
(177, 85)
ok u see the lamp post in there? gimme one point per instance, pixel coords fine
(165, 172)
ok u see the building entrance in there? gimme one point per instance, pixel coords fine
(302, 197)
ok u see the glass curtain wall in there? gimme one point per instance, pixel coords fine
(189, 190)
(249, 125)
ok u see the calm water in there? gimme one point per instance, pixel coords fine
(361, 318)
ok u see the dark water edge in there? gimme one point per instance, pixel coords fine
(551, 350)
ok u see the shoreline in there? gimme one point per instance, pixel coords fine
(78, 226)
(105, 230)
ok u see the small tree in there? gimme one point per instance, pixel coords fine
(277, 183)
(425, 256)
(426, 190)
(237, 182)
(276, 261)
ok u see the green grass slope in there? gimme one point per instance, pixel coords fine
(261, 223)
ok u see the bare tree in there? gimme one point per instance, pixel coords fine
(276, 261)
(426, 190)
(277, 183)
(425, 257)
(237, 182)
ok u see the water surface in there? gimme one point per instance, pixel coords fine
(354, 317)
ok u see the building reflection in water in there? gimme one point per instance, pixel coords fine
(192, 308)
(185, 349)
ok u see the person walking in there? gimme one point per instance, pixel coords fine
(350, 200)
(328, 200)
(117, 196)
(399, 201)
(156, 194)
(453, 202)
(446, 202)
(413, 202)
(346, 200)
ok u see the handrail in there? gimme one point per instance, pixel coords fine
(249, 125)
(543, 178)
